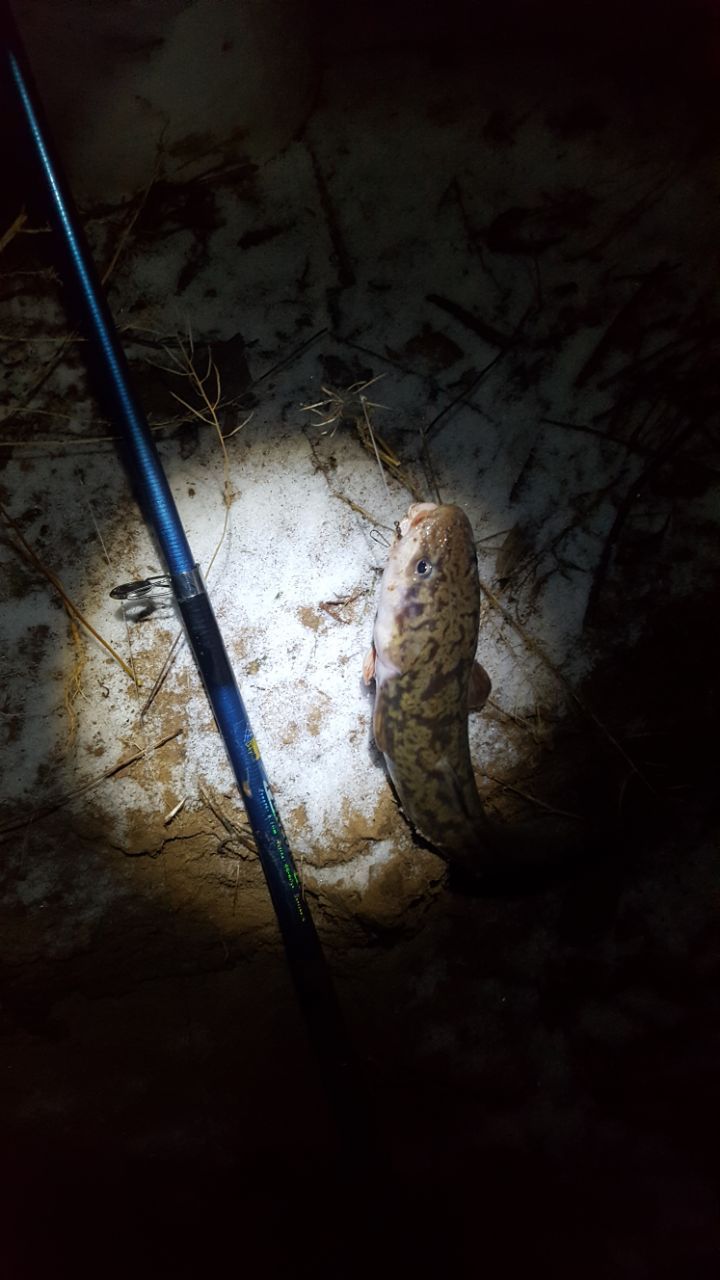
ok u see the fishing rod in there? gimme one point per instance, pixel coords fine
(108, 364)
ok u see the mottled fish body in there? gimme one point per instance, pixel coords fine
(426, 683)
(427, 679)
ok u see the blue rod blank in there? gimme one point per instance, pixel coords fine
(109, 365)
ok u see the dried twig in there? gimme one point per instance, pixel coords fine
(472, 322)
(629, 217)
(52, 578)
(361, 511)
(162, 674)
(430, 474)
(354, 506)
(562, 680)
(343, 261)
(331, 607)
(108, 561)
(368, 428)
(176, 809)
(208, 391)
(73, 337)
(534, 800)
(606, 437)
(53, 805)
(463, 397)
(127, 230)
(15, 226)
(290, 357)
(73, 683)
(236, 833)
(662, 456)
(623, 323)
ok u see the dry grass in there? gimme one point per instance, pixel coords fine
(352, 405)
(206, 389)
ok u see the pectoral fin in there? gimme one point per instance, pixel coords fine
(479, 687)
(368, 667)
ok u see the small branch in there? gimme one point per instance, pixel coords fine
(56, 583)
(15, 227)
(562, 680)
(243, 835)
(53, 805)
(472, 322)
(625, 506)
(534, 800)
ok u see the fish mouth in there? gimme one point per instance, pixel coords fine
(418, 512)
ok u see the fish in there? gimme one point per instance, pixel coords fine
(427, 678)
(427, 681)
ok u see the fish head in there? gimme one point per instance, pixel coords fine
(429, 603)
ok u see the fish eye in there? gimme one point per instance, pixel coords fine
(423, 568)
